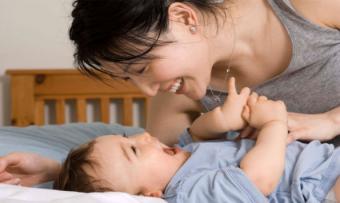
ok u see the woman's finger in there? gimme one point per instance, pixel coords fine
(290, 139)
(232, 86)
(291, 120)
(298, 134)
(5, 176)
(13, 181)
(9, 160)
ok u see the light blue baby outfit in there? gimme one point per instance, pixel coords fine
(212, 174)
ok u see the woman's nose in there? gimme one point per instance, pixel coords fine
(146, 86)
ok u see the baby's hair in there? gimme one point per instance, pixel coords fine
(123, 32)
(74, 177)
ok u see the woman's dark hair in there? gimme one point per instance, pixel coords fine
(121, 31)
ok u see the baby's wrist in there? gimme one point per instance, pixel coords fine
(276, 122)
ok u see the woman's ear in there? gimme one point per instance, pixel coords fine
(182, 13)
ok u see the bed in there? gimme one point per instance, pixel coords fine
(38, 95)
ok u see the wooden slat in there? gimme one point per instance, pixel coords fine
(104, 110)
(60, 111)
(60, 84)
(146, 107)
(90, 96)
(29, 88)
(81, 110)
(60, 71)
(39, 113)
(127, 111)
(22, 100)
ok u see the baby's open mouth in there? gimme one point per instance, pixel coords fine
(171, 151)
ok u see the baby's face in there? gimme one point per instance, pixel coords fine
(138, 164)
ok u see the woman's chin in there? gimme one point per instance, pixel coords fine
(195, 95)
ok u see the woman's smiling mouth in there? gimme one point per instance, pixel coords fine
(177, 86)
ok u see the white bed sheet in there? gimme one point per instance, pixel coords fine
(19, 194)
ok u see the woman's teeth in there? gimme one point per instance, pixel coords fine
(176, 86)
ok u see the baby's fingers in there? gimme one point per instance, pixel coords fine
(263, 98)
(246, 113)
(252, 99)
(245, 92)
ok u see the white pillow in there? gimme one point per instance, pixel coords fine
(19, 194)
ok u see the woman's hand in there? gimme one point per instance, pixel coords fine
(231, 110)
(312, 126)
(27, 169)
(223, 118)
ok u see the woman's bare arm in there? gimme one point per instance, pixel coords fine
(323, 126)
(321, 12)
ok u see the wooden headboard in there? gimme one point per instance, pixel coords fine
(30, 89)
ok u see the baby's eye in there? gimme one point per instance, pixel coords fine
(134, 149)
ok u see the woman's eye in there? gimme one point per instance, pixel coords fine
(134, 149)
(141, 71)
(126, 78)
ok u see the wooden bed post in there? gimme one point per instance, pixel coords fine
(22, 89)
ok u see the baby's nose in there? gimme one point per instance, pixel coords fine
(150, 138)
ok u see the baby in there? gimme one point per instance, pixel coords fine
(211, 171)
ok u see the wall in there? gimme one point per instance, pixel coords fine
(33, 34)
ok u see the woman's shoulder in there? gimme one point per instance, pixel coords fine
(321, 12)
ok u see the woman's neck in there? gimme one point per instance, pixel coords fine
(244, 44)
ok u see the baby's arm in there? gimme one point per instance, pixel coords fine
(264, 163)
(223, 118)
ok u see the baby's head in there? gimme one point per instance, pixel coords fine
(138, 164)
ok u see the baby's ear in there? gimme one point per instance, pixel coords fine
(153, 194)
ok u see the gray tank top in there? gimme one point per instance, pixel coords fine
(311, 82)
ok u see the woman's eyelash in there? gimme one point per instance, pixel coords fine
(141, 70)
(134, 149)
(126, 78)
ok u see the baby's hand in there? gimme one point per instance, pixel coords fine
(260, 110)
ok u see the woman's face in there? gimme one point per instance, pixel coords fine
(181, 67)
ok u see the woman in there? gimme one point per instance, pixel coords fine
(285, 50)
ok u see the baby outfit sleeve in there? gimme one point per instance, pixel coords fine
(219, 186)
(184, 138)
